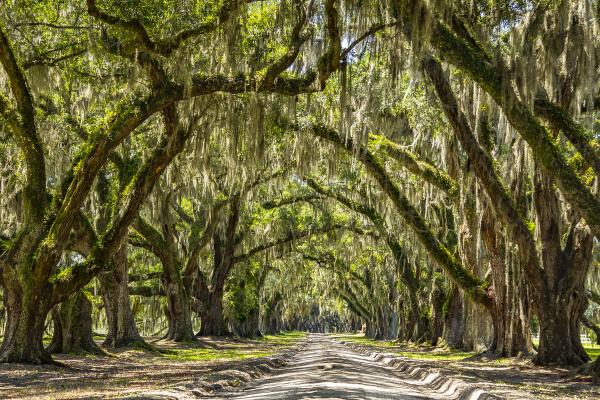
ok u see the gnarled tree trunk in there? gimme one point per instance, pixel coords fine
(73, 326)
(561, 299)
(27, 306)
(210, 310)
(122, 329)
(454, 319)
(179, 311)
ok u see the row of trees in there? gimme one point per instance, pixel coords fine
(428, 168)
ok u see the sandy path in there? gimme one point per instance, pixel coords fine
(329, 370)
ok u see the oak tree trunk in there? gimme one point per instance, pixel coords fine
(27, 307)
(179, 313)
(73, 327)
(454, 319)
(212, 322)
(122, 329)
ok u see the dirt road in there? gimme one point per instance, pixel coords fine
(326, 369)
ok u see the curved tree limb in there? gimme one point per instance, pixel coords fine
(472, 285)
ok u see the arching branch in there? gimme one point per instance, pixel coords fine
(482, 163)
(465, 53)
(472, 285)
(284, 201)
(25, 134)
(561, 120)
(412, 163)
(166, 47)
(292, 236)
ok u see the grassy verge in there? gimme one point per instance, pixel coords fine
(429, 353)
(407, 350)
(239, 350)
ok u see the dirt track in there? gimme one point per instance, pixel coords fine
(330, 370)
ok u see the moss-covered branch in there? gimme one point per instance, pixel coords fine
(399, 253)
(150, 238)
(287, 200)
(166, 46)
(493, 77)
(484, 169)
(26, 136)
(559, 119)
(472, 285)
(435, 176)
(290, 237)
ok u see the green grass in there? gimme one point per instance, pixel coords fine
(262, 347)
(422, 353)
(216, 354)
(284, 338)
(593, 350)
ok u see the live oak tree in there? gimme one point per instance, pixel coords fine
(445, 153)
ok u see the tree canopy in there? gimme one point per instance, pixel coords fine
(204, 167)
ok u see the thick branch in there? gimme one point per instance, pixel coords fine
(292, 236)
(153, 239)
(411, 162)
(483, 165)
(560, 120)
(166, 47)
(494, 78)
(26, 136)
(284, 201)
(461, 276)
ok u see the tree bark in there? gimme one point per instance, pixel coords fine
(210, 298)
(249, 327)
(27, 306)
(122, 329)
(73, 327)
(179, 311)
(210, 310)
(271, 319)
(561, 302)
(454, 319)
(436, 299)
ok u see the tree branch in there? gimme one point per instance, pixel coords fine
(292, 236)
(460, 275)
(436, 176)
(482, 163)
(494, 78)
(166, 47)
(26, 136)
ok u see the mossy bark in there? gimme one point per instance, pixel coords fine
(464, 52)
(212, 322)
(562, 302)
(27, 306)
(122, 329)
(436, 299)
(511, 313)
(271, 319)
(179, 311)
(210, 296)
(454, 319)
(72, 321)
